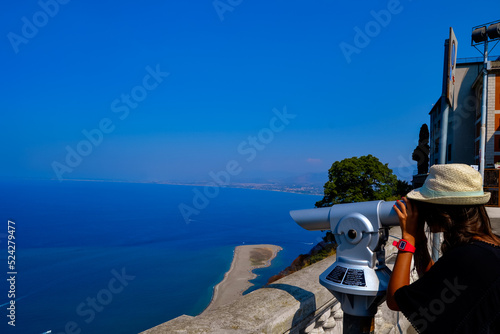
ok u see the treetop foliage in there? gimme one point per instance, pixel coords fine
(359, 180)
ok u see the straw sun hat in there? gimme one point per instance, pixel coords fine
(452, 184)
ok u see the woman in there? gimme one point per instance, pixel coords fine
(460, 293)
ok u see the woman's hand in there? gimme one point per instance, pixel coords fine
(408, 220)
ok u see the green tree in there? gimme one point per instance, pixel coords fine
(350, 180)
(359, 180)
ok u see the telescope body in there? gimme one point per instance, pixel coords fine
(321, 219)
(359, 277)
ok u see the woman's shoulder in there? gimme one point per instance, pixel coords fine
(475, 253)
(491, 245)
(476, 246)
(480, 246)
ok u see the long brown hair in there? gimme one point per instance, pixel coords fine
(459, 223)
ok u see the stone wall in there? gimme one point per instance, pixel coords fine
(295, 304)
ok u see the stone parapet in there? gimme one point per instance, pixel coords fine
(296, 304)
(292, 305)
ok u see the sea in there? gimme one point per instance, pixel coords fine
(114, 257)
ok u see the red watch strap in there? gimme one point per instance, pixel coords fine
(404, 245)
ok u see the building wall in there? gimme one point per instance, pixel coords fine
(495, 104)
(490, 125)
(434, 132)
(462, 119)
(494, 115)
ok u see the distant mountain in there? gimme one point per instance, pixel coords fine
(308, 183)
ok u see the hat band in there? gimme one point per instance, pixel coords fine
(433, 193)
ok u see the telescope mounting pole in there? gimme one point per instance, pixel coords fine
(358, 325)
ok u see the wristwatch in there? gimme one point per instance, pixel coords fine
(404, 246)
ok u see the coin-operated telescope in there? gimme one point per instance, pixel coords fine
(359, 277)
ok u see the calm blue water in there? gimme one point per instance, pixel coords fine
(99, 257)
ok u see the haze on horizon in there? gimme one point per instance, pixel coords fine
(173, 90)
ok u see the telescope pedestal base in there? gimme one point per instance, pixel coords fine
(358, 325)
(359, 306)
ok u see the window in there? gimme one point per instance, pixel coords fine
(497, 92)
(497, 122)
(497, 143)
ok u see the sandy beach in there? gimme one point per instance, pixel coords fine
(236, 281)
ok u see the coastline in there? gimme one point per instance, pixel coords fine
(250, 186)
(236, 280)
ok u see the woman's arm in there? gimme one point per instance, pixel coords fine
(400, 277)
(408, 221)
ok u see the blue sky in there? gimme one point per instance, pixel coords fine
(174, 90)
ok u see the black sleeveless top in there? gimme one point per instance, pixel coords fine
(459, 294)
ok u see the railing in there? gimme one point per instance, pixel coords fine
(475, 59)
